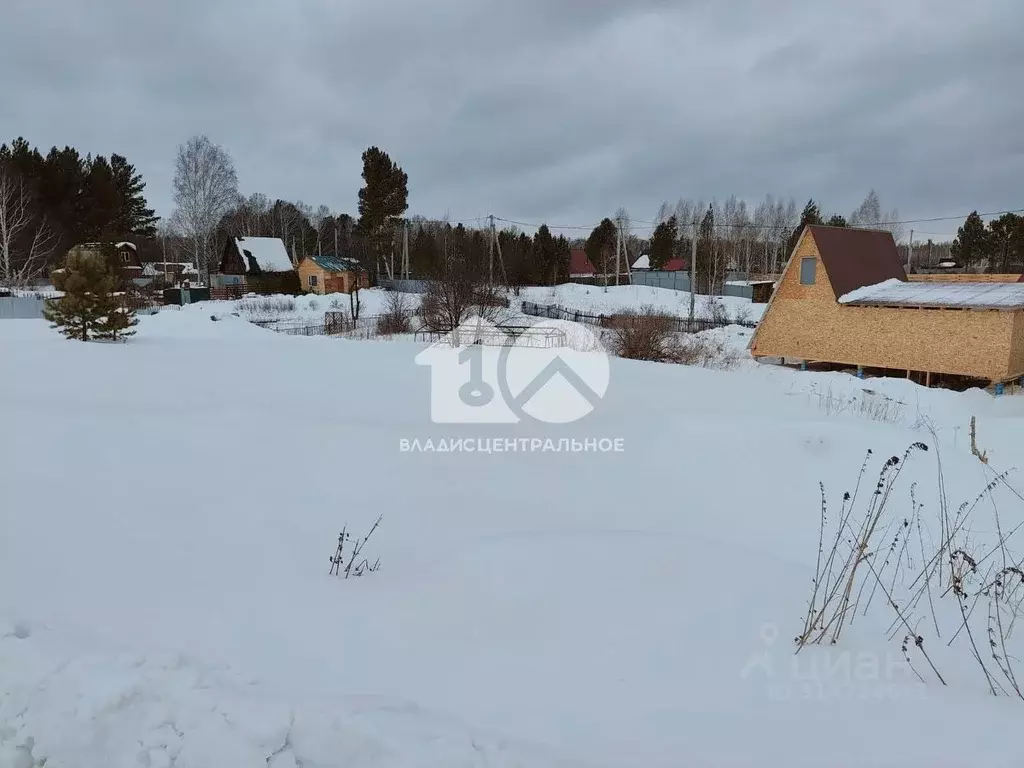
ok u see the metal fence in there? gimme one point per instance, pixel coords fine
(21, 307)
(363, 328)
(658, 278)
(680, 281)
(403, 286)
(680, 324)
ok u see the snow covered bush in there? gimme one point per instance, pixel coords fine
(715, 310)
(266, 308)
(644, 334)
(648, 334)
(397, 315)
(741, 314)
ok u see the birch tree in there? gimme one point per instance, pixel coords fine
(26, 241)
(205, 189)
(317, 217)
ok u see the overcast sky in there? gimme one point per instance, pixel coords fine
(556, 110)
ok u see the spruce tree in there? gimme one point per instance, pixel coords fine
(545, 255)
(600, 247)
(132, 216)
(87, 284)
(837, 220)
(663, 243)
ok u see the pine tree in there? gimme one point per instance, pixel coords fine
(383, 198)
(1007, 240)
(118, 317)
(87, 284)
(837, 220)
(811, 215)
(973, 243)
(703, 274)
(663, 243)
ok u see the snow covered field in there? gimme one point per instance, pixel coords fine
(168, 508)
(585, 298)
(596, 299)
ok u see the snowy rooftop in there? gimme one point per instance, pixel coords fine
(951, 295)
(269, 252)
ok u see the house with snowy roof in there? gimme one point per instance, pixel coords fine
(255, 264)
(844, 301)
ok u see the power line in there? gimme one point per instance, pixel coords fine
(637, 225)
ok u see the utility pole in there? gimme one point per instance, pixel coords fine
(618, 249)
(910, 250)
(405, 250)
(490, 251)
(693, 272)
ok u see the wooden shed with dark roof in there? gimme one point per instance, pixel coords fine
(844, 299)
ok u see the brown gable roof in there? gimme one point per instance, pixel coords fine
(854, 258)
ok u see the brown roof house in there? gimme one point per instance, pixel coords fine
(126, 254)
(844, 299)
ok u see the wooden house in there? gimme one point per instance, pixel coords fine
(331, 274)
(125, 253)
(844, 300)
(255, 264)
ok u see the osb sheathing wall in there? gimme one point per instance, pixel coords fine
(805, 322)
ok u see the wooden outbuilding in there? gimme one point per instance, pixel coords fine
(844, 299)
(332, 274)
(255, 264)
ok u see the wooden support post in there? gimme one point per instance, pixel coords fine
(803, 365)
(908, 373)
(928, 379)
(999, 388)
(860, 371)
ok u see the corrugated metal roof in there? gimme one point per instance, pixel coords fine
(943, 295)
(336, 263)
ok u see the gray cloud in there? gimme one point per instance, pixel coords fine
(540, 109)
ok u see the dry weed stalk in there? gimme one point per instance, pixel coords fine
(956, 567)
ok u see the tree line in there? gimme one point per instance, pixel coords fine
(51, 202)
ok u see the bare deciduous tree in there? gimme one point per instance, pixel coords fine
(317, 217)
(205, 189)
(26, 240)
(457, 294)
